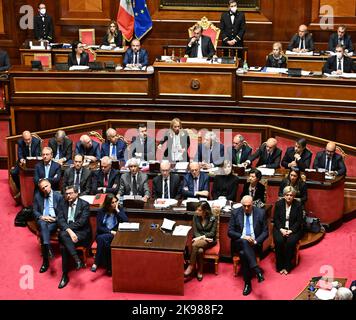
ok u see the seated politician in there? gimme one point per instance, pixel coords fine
(302, 41)
(114, 147)
(62, 147)
(204, 237)
(135, 57)
(287, 229)
(239, 152)
(142, 146)
(225, 185)
(295, 180)
(269, 156)
(134, 183)
(105, 180)
(166, 185)
(340, 37)
(211, 151)
(107, 223)
(195, 183)
(339, 63)
(276, 59)
(329, 161)
(4, 61)
(247, 231)
(88, 148)
(253, 187)
(78, 57)
(297, 157)
(113, 36)
(199, 46)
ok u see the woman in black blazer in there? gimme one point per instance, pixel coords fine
(276, 59)
(287, 229)
(294, 180)
(253, 187)
(204, 237)
(107, 222)
(226, 185)
(78, 57)
(113, 36)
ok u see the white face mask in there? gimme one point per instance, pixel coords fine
(233, 9)
(339, 55)
(43, 11)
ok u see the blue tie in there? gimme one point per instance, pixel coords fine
(46, 206)
(113, 150)
(248, 228)
(47, 167)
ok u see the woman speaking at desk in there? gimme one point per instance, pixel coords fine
(78, 57)
(204, 234)
(107, 222)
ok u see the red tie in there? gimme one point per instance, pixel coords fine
(106, 180)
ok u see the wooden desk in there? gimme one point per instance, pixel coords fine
(156, 267)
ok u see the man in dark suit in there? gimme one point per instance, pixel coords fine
(135, 56)
(48, 169)
(27, 146)
(106, 180)
(199, 46)
(142, 146)
(62, 147)
(195, 183)
(269, 156)
(166, 185)
(297, 157)
(4, 61)
(302, 41)
(330, 161)
(47, 206)
(340, 38)
(74, 231)
(239, 152)
(339, 63)
(134, 182)
(247, 236)
(211, 151)
(78, 176)
(114, 147)
(88, 148)
(233, 27)
(43, 24)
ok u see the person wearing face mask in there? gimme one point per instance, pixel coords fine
(339, 63)
(43, 24)
(276, 59)
(226, 185)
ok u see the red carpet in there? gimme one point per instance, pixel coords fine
(20, 249)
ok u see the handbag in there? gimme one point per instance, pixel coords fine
(26, 214)
(312, 225)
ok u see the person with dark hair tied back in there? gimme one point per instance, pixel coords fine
(113, 36)
(107, 222)
(287, 229)
(297, 157)
(204, 235)
(294, 180)
(225, 185)
(253, 187)
(78, 57)
(276, 59)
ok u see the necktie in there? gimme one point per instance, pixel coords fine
(47, 167)
(252, 192)
(77, 178)
(238, 157)
(339, 65)
(60, 150)
(29, 150)
(341, 41)
(71, 214)
(196, 185)
(302, 44)
(328, 161)
(248, 227)
(268, 157)
(134, 186)
(135, 58)
(113, 151)
(106, 179)
(165, 195)
(46, 206)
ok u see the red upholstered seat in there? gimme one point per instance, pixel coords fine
(214, 250)
(87, 36)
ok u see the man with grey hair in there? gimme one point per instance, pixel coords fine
(134, 182)
(88, 148)
(199, 46)
(239, 151)
(211, 151)
(48, 169)
(62, 147)
(343, 294)
(114, 147)
(247, 230)
(106, 180)
(195, 183)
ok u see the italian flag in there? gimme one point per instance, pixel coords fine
(125, 19)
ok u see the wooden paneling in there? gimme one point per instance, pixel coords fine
(341, 8)
(2, 26)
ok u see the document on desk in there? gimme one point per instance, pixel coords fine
(78, 68)
(275, 70)
(323, 294)
(181, 230)
(129, 226)
(181, 165)
(267, 171)
(309, 53)
(343, 75)
(89, 199)
(198, 60)
(167, 224)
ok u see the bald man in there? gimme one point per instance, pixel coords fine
(195, 183)
(269, 156)
(239, 152)
(135, 56)
(88, 148)
(330, 161)
(302, 41)
(114, 147)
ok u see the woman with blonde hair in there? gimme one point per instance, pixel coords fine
(276, 59)
(113, 36)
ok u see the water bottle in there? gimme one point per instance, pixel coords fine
(245, 66)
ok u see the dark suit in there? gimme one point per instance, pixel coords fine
(240, 246)
(184, 142)
(272, 62)
(231, 31)
(4, 61)
(331, 65)
(54, 175)
(334, 41)
(308, 42)
(80, 226)
(214, 156)
(259, 192)
(43, 29)
(232, 154)
(226, 186)
(147, 148)
(175, 191)
(85, 180)
(300, 188)
(272, 162)
(142, 57)
(207, 48)
(93, 151)
(141, 182)
(337, 163)
(285, 246)
(117, 40)
(113, 182)
(72, 59)
(120, 150)
(188, 184)
(302, 164)
(66, 148)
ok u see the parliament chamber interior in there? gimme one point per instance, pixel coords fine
(213, 71)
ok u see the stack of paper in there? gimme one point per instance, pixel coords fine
(78, 68)
(129, 226)
(89, 199)
(167, 224)
(181, 230)
(165, 203)
(181, 165)
(324, 294)
(267, 171)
